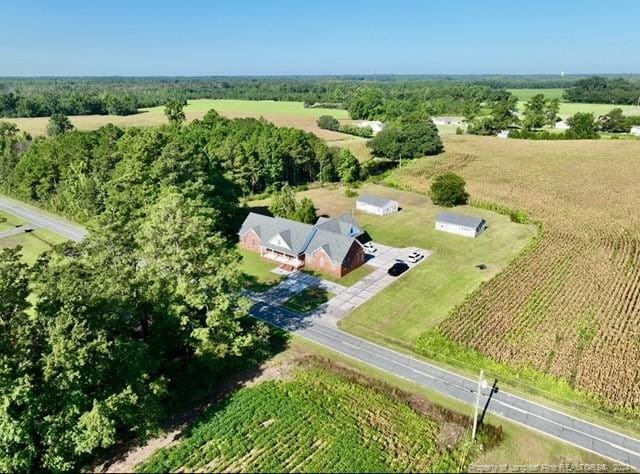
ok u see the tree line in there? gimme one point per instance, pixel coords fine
(604, 90)
(100, 341)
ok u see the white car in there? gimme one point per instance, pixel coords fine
(415, 257)
(370, 248)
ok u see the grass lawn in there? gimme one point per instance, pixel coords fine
(33, 244)
(9, 221)
(349, 279)
(308, 299)
(285, 114)
(257, 271)
(425, 296)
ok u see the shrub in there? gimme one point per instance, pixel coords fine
(364, 132)
(448, 190)
(350, 193)
(327, 122)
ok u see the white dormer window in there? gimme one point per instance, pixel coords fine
(279, 241)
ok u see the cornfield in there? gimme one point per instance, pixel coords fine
(569, 306)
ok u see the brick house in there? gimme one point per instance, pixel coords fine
(330, 246)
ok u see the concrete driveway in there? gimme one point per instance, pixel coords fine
(347, 298)
(376, 281)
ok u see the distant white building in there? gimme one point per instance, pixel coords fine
(503, 134)
(376, 205)
(460, 224)
(375, 125)
(635, 130)
(561, 125)
(446, 120)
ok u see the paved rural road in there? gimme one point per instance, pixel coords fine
(580, 433)
(41, 219)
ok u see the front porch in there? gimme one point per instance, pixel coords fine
(288, 261)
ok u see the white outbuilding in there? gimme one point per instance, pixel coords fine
(375, 125)
(503, 134)
(561, 125)
(376, 205)
(635, 130)
(459, 224)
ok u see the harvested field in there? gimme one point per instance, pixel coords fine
(283, 114)
(569, 306)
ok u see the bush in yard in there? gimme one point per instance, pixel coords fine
(328, 122)
(448, 190)
(306, 212)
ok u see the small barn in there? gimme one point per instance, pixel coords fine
(375, 125)
(376, 205)
(468, 226)
(635, 130)
(561, 125)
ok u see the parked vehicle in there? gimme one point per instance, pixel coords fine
(370, 248)
(397, 269)
(415, 257)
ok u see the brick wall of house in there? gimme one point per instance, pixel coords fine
(250, 241)
(320, 261)
(355, 257)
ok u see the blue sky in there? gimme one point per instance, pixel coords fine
(271, 37)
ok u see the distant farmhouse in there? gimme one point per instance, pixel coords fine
(331, 245)
(460, 224)
(503, 134)
(446, 121)
(561, 125)
(375, 125)
(376, 205)
(635, 130)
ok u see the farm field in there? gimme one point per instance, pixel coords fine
(321, 418)
(570, 305)
(424, 296)
(527, 94)
(357, 146)
(284, 114)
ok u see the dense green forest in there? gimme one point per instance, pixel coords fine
(603, 90)
(148, 309)
(440, 94)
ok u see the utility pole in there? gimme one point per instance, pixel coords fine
(482, 383)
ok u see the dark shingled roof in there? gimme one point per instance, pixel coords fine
(460, 219)
(335, 236)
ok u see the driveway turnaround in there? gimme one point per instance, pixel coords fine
(42, 219)
(599, 440)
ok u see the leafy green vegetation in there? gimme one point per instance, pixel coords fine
(320, 421)
(308, 299)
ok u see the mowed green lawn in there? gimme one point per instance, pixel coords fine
(257, 271)
(425, 295)
(33, 244)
